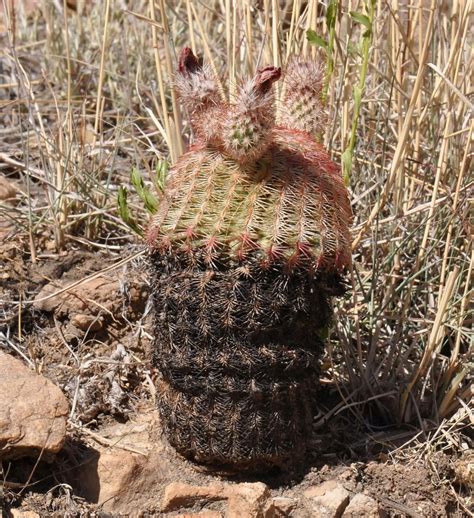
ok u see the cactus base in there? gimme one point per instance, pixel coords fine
(238, 347)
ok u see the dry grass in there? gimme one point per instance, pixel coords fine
(85, 96)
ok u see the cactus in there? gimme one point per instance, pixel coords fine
(247, 248)
(303, 90)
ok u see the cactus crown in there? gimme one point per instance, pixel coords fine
(253, 185)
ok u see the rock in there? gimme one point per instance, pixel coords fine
(328, 500)
(464, 469)
(7, 228)
(88, 298)
(87, 322)
(124, 467)
(7, 194)
(135, 433)
(362, 506)
(248, 500)
(90, 304)
(7, 190)
(204, 514)
(280, 507)
(33, 412)
(179, 494)
(108, 475)
(20, 513)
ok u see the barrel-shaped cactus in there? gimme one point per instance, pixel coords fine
(247, 249)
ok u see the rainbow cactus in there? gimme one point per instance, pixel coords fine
(247, 248)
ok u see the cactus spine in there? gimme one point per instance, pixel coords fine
(246, 252)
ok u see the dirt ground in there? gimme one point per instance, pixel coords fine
(94, 343)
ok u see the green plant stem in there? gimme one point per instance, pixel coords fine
(331, 26)
(358, 92)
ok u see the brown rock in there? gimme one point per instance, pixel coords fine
(7, 189)
(33, 412)
(248, 500)
(204, 514)
(179, 494)
(6, 228)
(7, 194)
(125, 476)
(97, 297)
(20, 513)
(328, 500)
(320, 490)
(464, 469)
(87, 322)
(280, 507)
(90, 298)
(362, 506)
(109, 475)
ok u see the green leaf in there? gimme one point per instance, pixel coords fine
(315, 39)
(361, 18)
(124, 211)
(357, 93)
(367, 33)
(137, 181)
(347, 165)
(162, 168)
(122, 204)
(331, 14)
(147, 197)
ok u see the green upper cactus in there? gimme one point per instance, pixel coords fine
(253, 185)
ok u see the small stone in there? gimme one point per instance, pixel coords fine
(320, 490)
(6, 229)
(280, 507)
(91, 297)
(204, 514)
(87, 322)
(33, 412)
(7, 189)
(362, 506)
(20, 513)
(464, 469)
(328, 500)
(179, 494)
(108, 476)
(248, 500)
(347, 474)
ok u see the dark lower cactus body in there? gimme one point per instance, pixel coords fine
(238, 349)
